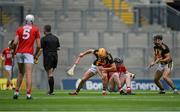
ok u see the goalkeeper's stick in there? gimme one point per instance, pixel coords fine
(71, 70)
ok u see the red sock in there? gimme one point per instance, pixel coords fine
(120, 89)
(28, 91)
(17, 90)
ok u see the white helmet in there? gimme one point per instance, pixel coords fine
(29, 19)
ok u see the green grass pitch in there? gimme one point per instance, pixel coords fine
(90, 101)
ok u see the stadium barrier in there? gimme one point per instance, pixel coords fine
(96, 84)
(3, 82)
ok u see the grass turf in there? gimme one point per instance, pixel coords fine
(90, 101)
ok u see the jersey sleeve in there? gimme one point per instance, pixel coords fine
(166, 50)
(110, 59)
(95, 52)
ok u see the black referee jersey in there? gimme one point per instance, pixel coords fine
(50, 44)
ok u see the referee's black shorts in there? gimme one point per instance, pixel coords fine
(50, 61)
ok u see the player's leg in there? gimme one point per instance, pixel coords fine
(49, 62)
(7, 76)
(157, 81)
(128, 79)
(28, 61)
(50, 81)
(28, 72)
(123, 81)
(9, 82)
(87, 75)
(20, 76)
(53, 59)
(166, 77)
(104, 81)
(111, 84)
(117, 81)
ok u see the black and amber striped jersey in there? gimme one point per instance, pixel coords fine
(108, 60)
(161, 51)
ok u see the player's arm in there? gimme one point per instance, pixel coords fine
(112, 68)
(2, 56)
(82, 54)
(167, 58)
(38, 49)
(14, 45)
(154, 61)
(89, 51)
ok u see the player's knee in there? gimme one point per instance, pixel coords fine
(165, 77)
(104, 77)
(115, 76)
(128, 75)
(156, 79)
(83, 80)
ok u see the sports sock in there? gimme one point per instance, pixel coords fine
(80, 86)
(16, 92)
(28, 91)
(51, 84)
(119, 89)
(104, 88)
(161, 89)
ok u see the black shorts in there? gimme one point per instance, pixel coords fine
(50, 60)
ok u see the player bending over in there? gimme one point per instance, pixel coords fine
(103, 58)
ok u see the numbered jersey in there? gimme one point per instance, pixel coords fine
(7, 53)
(27, 35)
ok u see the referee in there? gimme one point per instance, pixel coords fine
(50, 44)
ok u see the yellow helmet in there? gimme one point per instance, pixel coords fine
(102, 52)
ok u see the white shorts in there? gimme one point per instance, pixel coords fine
(25, 58)
(161, 67)
(93, 69)
(8, 67)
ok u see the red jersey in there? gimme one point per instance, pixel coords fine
(120, 69)
(7, 53)
(27, 34)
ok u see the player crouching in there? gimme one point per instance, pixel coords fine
(118, 79)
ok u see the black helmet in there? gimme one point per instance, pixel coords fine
(118, 60)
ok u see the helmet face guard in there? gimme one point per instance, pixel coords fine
(118, 60)
(29, 19)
